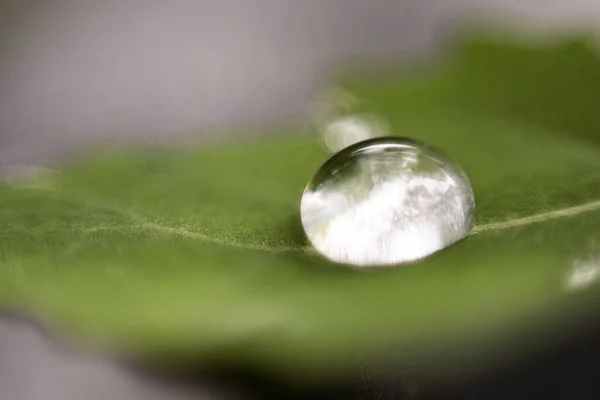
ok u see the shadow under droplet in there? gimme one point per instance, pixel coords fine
(306, 257)
(297, 234)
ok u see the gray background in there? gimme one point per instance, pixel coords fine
(77, 73)
(81, 73)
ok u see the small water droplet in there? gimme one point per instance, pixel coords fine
(583, 273)
(387, 201)
(343, 119)
(30, 176)
(345, 130)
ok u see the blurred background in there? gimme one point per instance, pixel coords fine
(75, 74)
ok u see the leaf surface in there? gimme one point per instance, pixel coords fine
(200, 255)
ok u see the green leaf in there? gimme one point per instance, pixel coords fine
(199, 255)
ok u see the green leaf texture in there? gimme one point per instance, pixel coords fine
(199, 255)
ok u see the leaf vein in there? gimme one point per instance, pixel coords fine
(536, 218)
(143, 223)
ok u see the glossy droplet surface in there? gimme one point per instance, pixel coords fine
(387, 201)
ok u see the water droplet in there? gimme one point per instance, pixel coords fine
(387, 201)
(583, 273)
(343, 119)
(345, 130)
(30, 176)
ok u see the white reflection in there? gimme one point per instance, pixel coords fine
(583, 274)
(398, 221)
(349, 129)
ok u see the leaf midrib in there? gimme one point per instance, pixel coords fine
(187, 233)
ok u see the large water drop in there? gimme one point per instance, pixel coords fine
(387, 201)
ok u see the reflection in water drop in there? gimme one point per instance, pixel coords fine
(387, 201)
(584, 273)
